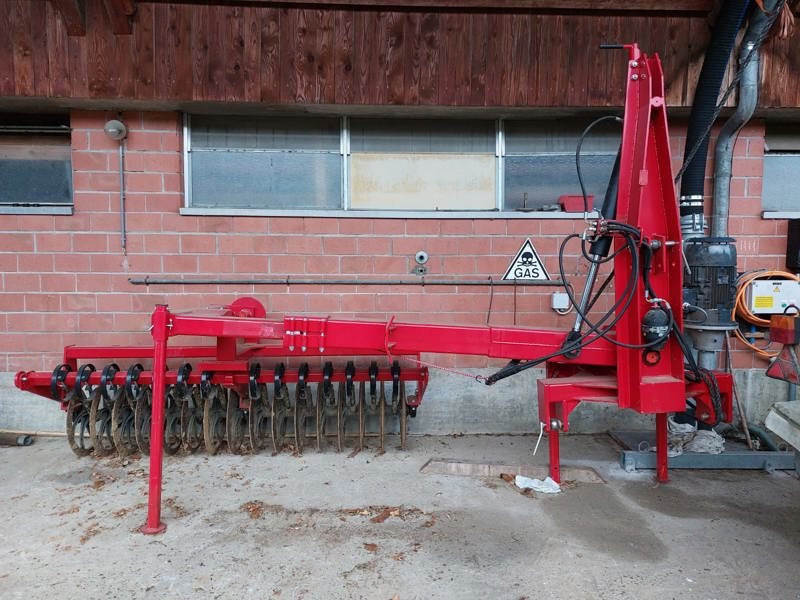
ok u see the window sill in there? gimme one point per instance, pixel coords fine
(36, 210)
(780, 214)
(381, 214)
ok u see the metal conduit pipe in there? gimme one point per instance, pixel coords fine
(723, 152)
(749, 61)
(310, 281)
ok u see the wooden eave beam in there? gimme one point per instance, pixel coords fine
(74, 14)
(700, 7)
(119, 14)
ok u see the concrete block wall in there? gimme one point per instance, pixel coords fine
(65, 278)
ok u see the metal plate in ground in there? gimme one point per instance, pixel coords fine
(735, 456)
(454, 466)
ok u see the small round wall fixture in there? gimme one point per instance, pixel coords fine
(115, 129)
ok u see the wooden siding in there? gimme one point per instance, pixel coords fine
(343, 55)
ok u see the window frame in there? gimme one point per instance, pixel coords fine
(31, 128)
(497, 212)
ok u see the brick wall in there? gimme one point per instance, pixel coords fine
(65, 279)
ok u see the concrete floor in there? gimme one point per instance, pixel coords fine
(314, 527)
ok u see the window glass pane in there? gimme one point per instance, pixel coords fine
(539, 164)
(421, 136)
(268, 180)
(422, 181)
(560, 135)
(260, 133)
(536, 181)
(35, 169)
(781, 182)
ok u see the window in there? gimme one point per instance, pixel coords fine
(539, 162)
(35, 165)
(781, 167)
(265, 163)
(422, 165)
(390, 165)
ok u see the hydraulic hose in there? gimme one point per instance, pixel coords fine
(712, 73)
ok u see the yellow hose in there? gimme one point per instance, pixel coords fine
(741, 311)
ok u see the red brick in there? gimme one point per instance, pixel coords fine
(113, 302)
(457, 227)
(250, 225)
(25, 321)
(162, 162)
(755, 147)
(98, 140)
(144, 182)
(738, 186)
(214, 224)
(391, 265)
(754, 187)
(143, 140)
(532, 227)
(173, 183)
(171, 142)
(22, 282)
(285, 225)
(161, 121)
(49, 342)
(748, 167)
(92, 201)
(390, 302)
(358, 303)
(458, 265)
(490, 227)
(179, 264)
(78, 303)
(423, 227)
(108, 263)
(198, 244)
(35, 263)
(174, 222)
(164, 202)
(389, 226)
(237, 244)
(161, 243)
(286, 303)
(99, 182)
(215, 265)
(104, 222)
(356, 264)
(8, 263)
(72, 263)
(90, 161)
(10, 301)
(474, 245)
(339, 245)
(16, 242)
(273, 244)
(79, 140)
(320, 226)
(323, 265)
(287, 264)
(90, 242)
(323, 303)
(350, 226)
(58, 282)
(249, 263)
(374, 246)
(37, 222)
(772, 245)
(40, 303)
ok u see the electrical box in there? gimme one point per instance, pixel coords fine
(559, 301)
(773, 296)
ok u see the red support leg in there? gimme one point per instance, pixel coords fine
(662, 472)
(154, 524)
(555, 460)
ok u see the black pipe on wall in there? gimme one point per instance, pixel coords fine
(723, 38)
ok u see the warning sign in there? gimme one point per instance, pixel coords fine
(526, 266)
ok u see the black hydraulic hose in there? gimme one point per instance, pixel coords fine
(601, 246)
(712, 73)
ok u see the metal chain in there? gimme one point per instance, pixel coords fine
(478, 378)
